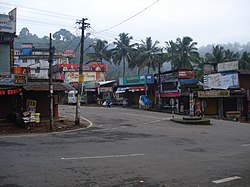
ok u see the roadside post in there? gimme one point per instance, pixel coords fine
(172, 104)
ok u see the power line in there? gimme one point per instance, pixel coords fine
(65, 16)
(130, 17)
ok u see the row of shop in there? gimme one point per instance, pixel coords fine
(175, 86)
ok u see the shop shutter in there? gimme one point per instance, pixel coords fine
(4, 58)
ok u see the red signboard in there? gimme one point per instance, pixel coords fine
(137, 88)
(22, 70)
(67, 67)
(98, 67)
(185, 74)
(170, 93)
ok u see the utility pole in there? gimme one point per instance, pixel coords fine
(80, 77)
(51, 52)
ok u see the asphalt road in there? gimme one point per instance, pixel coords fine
(129, 147)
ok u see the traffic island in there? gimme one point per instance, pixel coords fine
(189, 120)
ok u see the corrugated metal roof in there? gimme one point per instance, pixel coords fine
(106, 82)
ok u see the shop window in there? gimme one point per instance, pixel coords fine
(37, 70)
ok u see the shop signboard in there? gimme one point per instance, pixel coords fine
(100, 76)
(69, 53)
(150, 79)
(106, 89)
(169, 77)
(223, 80)
(71, 77)
(170, 93)
(89, 76)
(67, 67)
(90, 84)
(134, 80)
(183, 74)
(8, 22)
(13, 80)
(6, 39)
(98, 67)
(31, 105)
(213, 93)
(137, 88)
(228, 66)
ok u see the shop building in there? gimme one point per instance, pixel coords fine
(229, 87)
(132, 87)
(175, 88)
(37, 60)
(10, 83)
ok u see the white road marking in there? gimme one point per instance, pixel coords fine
(141, 115)
(99, 157)
(226, 179)
(244, 145)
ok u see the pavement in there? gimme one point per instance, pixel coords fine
(59, 125)
(192, 120)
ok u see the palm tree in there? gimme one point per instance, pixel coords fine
(148, 54)
(244, 61)
(231, 56)
(123, 50)
(182, 53)
(217, 56)
(100, 51)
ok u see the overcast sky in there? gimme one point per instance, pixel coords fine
(206, 21)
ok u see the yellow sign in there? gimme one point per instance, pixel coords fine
(31, 105)
(81, 78)
(213, 93)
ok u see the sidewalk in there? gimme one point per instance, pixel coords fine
(61, 124)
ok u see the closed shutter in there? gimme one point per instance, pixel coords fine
(4, 58)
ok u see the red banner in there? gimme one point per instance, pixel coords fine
(98, 67)
(67, 67)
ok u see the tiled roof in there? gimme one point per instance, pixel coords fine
(44, 86)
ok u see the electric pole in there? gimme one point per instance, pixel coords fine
(51, 52)
(80, 77)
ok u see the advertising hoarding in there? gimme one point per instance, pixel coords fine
(223, 80)
(13, 80)
(169, 77)
(8, 22)
(228, 66)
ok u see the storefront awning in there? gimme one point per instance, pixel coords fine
(121, 90)
(191, 81)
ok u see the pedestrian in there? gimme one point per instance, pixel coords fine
(198, 108)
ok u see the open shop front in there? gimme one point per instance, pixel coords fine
(11, 103)
(90, 91)
(213, 101)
